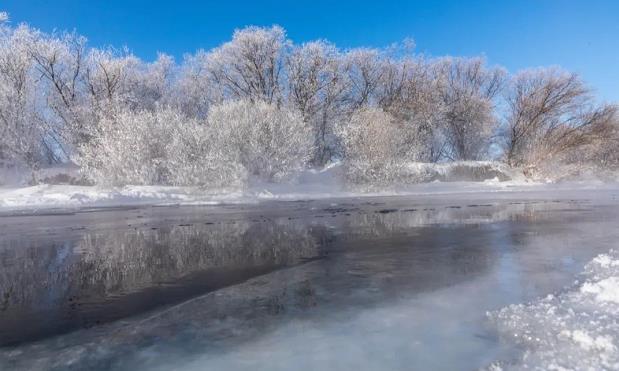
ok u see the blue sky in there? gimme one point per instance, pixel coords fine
(582, 36)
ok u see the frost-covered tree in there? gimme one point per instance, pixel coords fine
(111, 77)
(550, 113)
(409, 91)
(22, 135)
(364, 68)
(317, 89)
(193, 90)
(261, 107)
(468, 90)
(371, 136)
(604, 151)
(251, 65)
(153, 83)
(59, 59)
(271, 143)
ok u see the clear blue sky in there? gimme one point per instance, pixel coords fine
(580, 35)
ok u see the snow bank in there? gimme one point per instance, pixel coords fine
(556, 172)
(69, 196)
(49, 196)
(473, 171)
(310, 184)
(400, 174)
(576, 330)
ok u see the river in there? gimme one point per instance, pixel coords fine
(391, 283)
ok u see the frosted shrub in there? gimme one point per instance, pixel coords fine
(372, 143)
(162, 147)
(270, 143)
(195, 158)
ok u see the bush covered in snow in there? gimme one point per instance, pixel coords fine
(240, 139)
(271, 144)
(160, 147)
(372, 144)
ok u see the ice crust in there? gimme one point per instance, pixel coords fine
(574, 330)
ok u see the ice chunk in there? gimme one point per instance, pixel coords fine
(604, 290)
(575, 330)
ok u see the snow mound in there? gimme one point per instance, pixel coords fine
(402, 174)
(49, 196)
(472, 171)
(575, 330)
(557, 172)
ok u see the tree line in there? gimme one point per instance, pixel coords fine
(261, 106)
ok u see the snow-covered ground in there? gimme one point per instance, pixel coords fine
(575, 330)
(452, 178)
(46, 196)
(71, 196)
(54, 196)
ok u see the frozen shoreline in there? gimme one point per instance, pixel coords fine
(576, 329)
(70, 196)
(417, 179)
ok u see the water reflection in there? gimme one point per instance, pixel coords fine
(369, 255)
(99, 277)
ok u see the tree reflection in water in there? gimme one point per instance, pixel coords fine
(369, 255)
(99, 277)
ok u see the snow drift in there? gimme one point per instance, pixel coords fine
(575, 330)
(401, 174)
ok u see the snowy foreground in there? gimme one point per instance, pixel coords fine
(574, 330)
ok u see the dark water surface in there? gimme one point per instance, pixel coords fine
(365, 283)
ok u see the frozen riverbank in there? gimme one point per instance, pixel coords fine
(69, 196)
(415, 179)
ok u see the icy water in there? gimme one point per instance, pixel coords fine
(391, 283)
